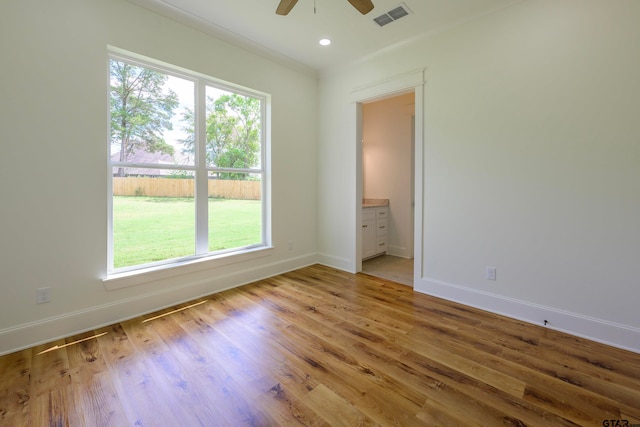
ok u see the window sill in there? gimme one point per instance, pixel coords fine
(132, 278)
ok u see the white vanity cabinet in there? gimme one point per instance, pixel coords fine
(374, 231)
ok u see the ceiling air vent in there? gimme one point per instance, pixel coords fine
(392, 15)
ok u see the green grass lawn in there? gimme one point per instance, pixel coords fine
(148, 229)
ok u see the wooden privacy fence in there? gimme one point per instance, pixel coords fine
(172, 187)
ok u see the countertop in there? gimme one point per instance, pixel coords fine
(374, 203)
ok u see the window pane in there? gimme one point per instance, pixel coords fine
(156, 218)
(233, 130)
(153, 217)
(235, 212)
(152, 116)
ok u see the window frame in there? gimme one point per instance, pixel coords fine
(201, 258)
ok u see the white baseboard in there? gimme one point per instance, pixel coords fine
(57, 327)
(399, 251)
(602, 331)
(53, 328)
(343, 264)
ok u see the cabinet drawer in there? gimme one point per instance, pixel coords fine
(368, 214)
(381, 227)
(381, 244)
(382, 213)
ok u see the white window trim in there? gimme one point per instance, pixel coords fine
(135, 275)
(115, 281)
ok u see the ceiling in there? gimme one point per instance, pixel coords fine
(294, 38)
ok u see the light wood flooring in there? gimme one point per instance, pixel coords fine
(320, 347)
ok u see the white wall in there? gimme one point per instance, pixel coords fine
(531, 163)
(386, 162)
(53, 166)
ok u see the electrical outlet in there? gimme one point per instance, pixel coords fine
(43, 295)
(491, 273)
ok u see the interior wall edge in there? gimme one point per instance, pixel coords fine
(54, 328)
(605, 332)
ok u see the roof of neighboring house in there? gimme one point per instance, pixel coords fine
(145, 157)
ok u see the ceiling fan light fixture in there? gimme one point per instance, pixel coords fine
(325, 42)
(285, 6)
(362, 6)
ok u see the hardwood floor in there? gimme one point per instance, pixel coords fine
(320, 347)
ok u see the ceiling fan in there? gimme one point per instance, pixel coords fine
(363, 6)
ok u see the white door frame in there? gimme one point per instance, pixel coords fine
(413, 81)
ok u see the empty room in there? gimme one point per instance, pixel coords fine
(186, 202)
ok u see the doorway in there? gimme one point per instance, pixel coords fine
(388, 158)
(412, 82)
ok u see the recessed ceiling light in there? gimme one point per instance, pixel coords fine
(325, 42)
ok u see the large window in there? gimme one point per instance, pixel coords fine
(187, 166)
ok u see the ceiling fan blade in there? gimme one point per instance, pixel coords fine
(363, 6)
(285, 6)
